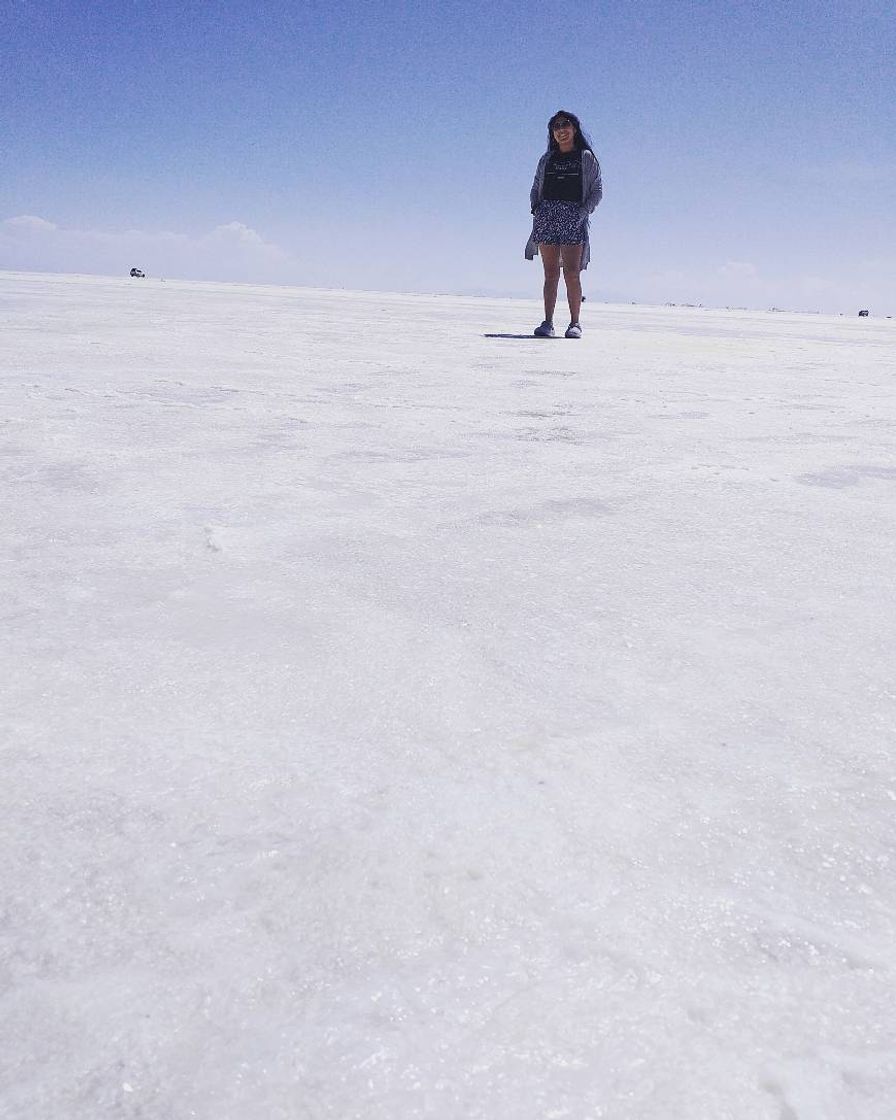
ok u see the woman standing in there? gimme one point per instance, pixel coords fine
(566, 190)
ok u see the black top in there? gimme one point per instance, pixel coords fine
(563, 177)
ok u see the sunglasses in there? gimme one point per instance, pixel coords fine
(564, 123)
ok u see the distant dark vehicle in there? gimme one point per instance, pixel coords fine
(863, 314)
(138, 272)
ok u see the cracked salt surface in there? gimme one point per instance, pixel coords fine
(377, 745)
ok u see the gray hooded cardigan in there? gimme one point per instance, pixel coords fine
(592, 193)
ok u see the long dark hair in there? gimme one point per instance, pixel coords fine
(581, 143)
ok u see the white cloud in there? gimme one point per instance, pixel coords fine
(236, 231)
(26, 223)
(232, 251)
(235, 251)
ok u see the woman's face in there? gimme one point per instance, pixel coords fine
(564, 132)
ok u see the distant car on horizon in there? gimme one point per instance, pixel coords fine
(138, 272)
(863, 314)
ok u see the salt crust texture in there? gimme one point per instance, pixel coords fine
(400, 722)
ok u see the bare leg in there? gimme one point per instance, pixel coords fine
(550, 258)
(572, 258)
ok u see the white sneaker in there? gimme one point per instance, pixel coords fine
(546, 330)
(573, 331)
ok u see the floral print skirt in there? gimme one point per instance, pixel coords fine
(559, 223)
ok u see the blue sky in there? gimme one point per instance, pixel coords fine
(748, 148)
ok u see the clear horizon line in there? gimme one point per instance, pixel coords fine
(480, 294)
